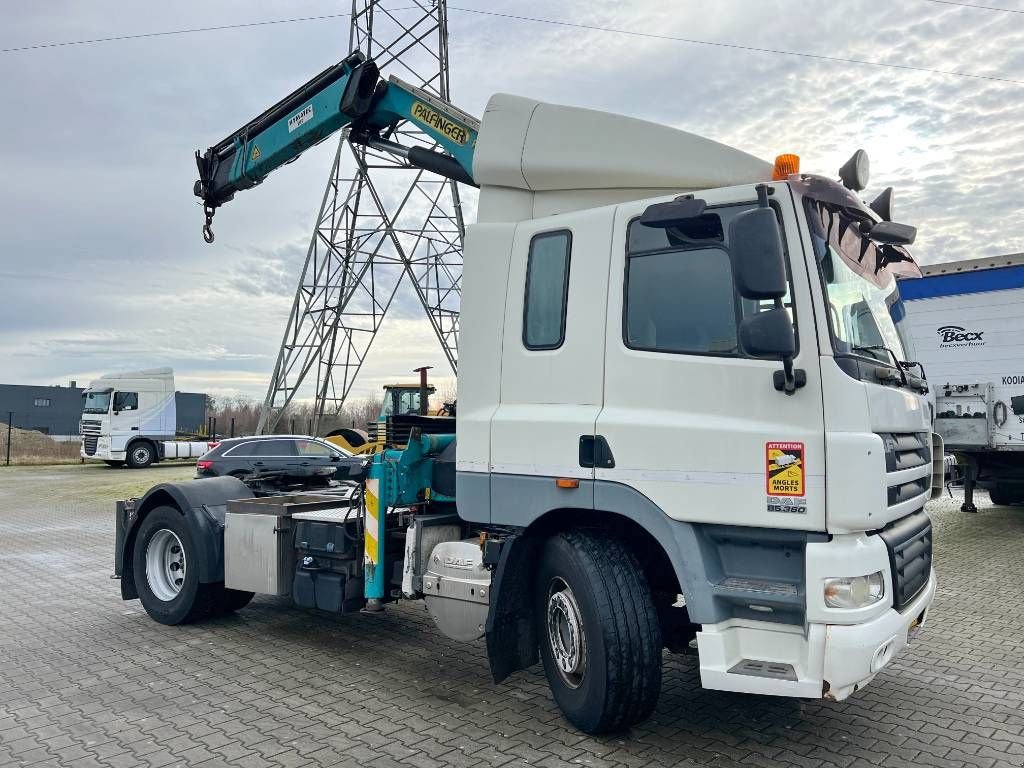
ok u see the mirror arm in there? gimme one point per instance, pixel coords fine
(762, 195)
(787, 380)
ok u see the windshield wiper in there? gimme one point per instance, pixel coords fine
(883, 348)
(919, 384)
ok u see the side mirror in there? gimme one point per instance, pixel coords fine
(755, 246)
(891, 233)
(673, 213)
(769, 334)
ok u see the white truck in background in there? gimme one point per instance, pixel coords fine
(966, 322)
(133, 419)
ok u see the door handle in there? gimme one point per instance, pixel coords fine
(135, 429)
(595, 452)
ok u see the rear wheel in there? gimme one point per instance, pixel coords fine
(166, 571)
(600, 640)
(140, 454)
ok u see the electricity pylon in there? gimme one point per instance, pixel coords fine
(382, 226)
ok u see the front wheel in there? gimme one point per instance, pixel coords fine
(598, 629)
(166, 571)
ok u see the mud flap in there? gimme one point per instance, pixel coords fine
(511, 630)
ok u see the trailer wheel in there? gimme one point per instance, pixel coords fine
(140, 454)
(1005, 495)
(600, 640)
(166, 576)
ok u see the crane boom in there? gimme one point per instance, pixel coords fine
(350, 94)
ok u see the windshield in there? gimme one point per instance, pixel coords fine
(408, 401)
(864, 317)
(95, 402)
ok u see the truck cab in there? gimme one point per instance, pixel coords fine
(130, 418)
(605, 378)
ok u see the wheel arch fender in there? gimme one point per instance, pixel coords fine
(511, 633)
(155, 445)
(201, 503)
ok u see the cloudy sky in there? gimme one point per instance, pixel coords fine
(102, 267)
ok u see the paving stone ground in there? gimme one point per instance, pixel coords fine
(88, 680)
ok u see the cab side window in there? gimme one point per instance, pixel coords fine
(126, 401)
(679, 292)
(547, 289)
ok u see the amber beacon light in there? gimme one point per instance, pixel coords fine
(784, 166)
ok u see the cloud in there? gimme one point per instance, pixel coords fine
(101, 262)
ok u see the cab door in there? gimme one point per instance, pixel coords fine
(552, 364)
(690, 419)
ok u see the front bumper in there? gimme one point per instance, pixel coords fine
(817, 661)
(855, 653)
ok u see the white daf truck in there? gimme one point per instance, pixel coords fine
(132, 419)
(685, 420)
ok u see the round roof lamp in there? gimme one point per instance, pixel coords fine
(855, 171)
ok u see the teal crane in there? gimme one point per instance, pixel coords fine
(349, 95)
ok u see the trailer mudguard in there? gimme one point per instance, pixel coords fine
(202, 503)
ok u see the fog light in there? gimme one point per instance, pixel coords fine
(854, 591)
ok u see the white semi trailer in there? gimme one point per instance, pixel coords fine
(132, 419)
(682, 419)
(965, 320)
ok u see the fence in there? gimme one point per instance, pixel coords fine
(25, 440)
(29, 438)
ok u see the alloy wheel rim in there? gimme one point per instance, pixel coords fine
(165, 565)
(566, 638)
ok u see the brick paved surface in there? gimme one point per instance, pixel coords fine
(88, 680)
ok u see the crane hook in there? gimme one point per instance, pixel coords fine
(208, 226)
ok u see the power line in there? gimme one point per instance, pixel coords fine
(168, 33)
(736, 46)
(975, 7)
(570, 25)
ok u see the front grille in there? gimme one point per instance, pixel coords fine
(908, 490)
(907, 453)
(906, 450)
(90, 431)
(909, 542)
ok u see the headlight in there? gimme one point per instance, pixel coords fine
(854, 591)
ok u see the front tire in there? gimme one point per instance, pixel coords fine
(141, 454)
(598, 629)
(167, 572)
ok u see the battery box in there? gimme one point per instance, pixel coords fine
(328, 560)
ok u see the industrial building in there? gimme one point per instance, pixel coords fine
(56, 410)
